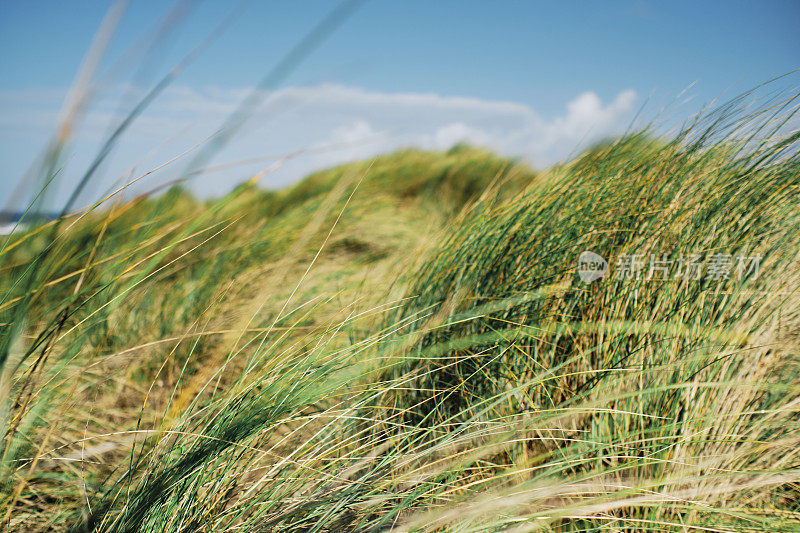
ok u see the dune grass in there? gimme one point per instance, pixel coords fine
(405, 344)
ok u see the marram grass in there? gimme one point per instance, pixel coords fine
(406, 345)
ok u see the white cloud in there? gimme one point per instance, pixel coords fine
(457, 132)
(355, 132)
(351, 122)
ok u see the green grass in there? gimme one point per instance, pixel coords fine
(404, 344)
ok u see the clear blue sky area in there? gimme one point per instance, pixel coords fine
(534, 52)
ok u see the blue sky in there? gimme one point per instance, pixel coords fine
(531, 79)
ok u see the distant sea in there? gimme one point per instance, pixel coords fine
(11, 219)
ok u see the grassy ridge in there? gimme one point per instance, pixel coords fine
(150, 299)
(405, 344)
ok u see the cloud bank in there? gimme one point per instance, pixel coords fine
(332, 123)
